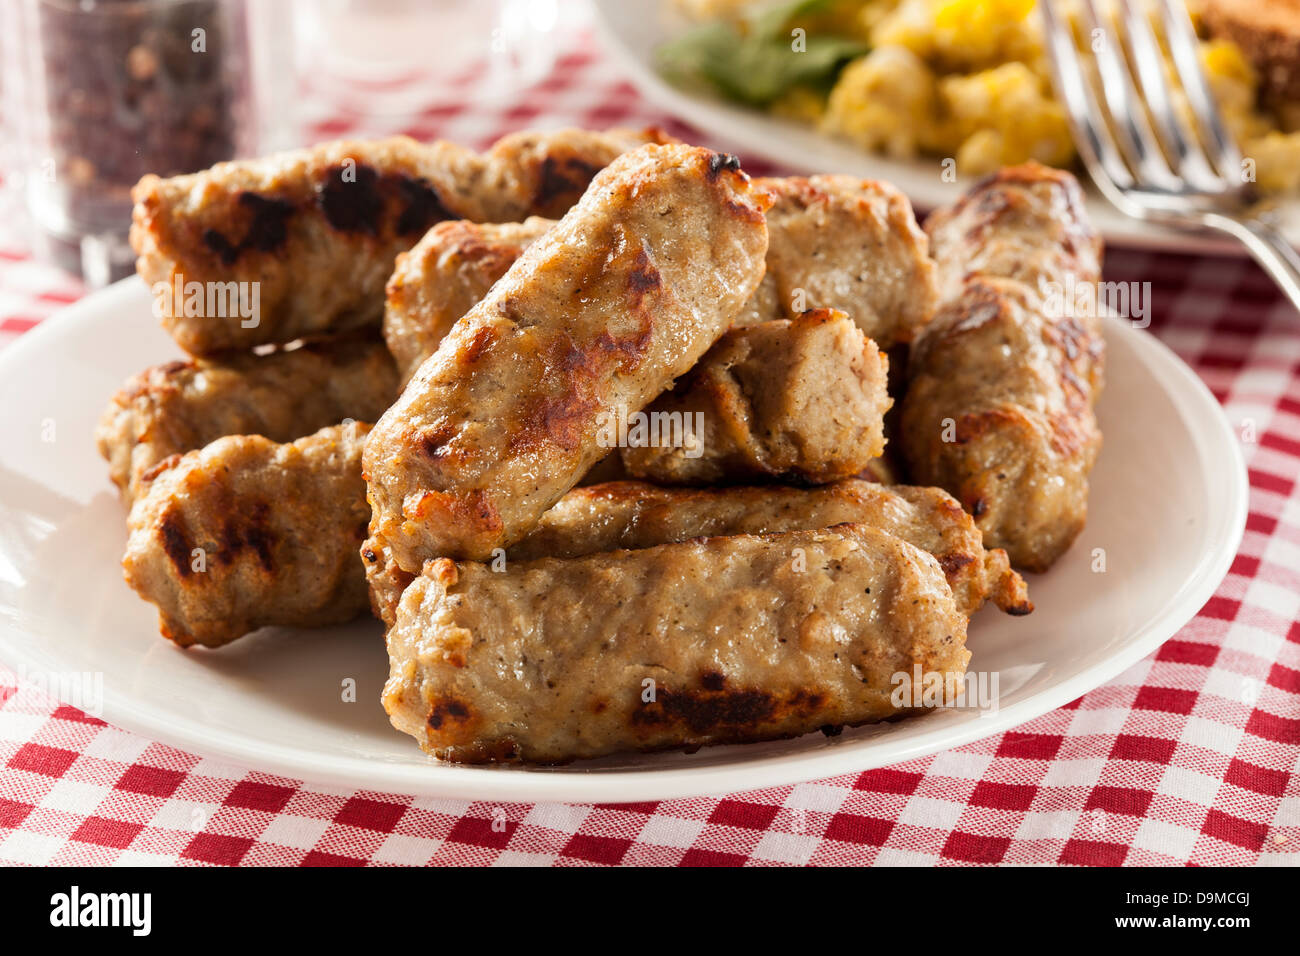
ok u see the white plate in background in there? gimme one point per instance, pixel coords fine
(1168, 506)
(632, 30)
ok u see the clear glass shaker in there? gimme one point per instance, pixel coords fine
(101, 92)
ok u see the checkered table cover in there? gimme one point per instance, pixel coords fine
(1189, 757)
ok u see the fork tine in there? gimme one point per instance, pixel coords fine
(1181, 40)
(1091, 134)
(1182, 143)
(1136, 140)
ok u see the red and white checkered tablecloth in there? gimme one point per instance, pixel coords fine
(1188, 757)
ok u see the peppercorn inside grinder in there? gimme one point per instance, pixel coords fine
(103, 92)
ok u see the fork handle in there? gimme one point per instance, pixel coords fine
(1269, 248)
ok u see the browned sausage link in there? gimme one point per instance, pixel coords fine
(446, 274)
(283, 395)
(631, 514)
(309, 237)
(796, 399)
(833, 242)
(1027, 223)
(850, 244)
(719, 640)
(999, 409)
(246, 533)
(594, 320)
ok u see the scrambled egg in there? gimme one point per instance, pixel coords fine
(958, 35)
(1003, 116)
(969, 79)
(957, 78)
(887, 102)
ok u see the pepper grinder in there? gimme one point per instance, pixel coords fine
(102, 92)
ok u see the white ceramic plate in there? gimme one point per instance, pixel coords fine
(632, 30)
(1168, 507)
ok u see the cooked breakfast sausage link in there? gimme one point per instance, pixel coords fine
(719, 640)
(1027, 223)
(833, 242)
(446, 274)
(796, 399)
(631, 514)
(837, 242)
(999, 409)
(597, 318)
(314, 232)
(246, 533)
(177, 407)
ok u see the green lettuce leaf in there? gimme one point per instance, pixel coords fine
(758, 64)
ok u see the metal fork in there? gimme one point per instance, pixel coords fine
(1169, 174)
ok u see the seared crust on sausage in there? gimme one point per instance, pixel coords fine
(999, 409)
(833, 242)
(793, 399)
(622, 515)
(595, 319)
(180, 406)
(247, 533)
(318, 229)
(719, 640)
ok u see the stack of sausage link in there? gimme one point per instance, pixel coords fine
(229, 530)
(756, 589)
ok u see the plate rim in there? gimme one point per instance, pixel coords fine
(574, 785)
(1115, 227)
